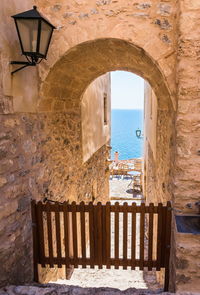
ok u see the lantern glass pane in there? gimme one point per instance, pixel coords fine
(46, 31)
(28, 30)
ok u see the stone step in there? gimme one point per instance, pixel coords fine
(55, 289)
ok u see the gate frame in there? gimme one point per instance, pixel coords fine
(102, 215)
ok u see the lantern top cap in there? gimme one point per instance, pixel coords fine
(32, 14)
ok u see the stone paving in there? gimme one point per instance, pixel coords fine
(53, 289)
(121, 188)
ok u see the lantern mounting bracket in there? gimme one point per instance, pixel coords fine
(24, 63)
(31, 61)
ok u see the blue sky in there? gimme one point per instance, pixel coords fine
(127, 91)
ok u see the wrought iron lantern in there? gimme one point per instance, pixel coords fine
(138, 133)
(34, 33)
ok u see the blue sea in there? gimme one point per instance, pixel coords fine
(123, 137)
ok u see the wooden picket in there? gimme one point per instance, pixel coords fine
(89, 227)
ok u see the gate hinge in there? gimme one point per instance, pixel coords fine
(33, 224)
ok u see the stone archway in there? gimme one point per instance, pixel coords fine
(47, 142)
(76, 69)
(70, 76)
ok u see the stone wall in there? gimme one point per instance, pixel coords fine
(150, 126)
(187, 183)
(150, 25)
(150, 116)
(158, 138)
(187, 161)
(40, 157)
(157, 155)
(40, 152)
(95, 108)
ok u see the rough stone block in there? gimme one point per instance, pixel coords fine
(24, 203)
(6, 165)
(45, 105)
(164, 9)
(3, 181)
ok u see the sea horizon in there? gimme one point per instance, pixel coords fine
(126, 109)
(123, 133)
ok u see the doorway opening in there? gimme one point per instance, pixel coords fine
(111, 55)
(127, 132)
(126, 174)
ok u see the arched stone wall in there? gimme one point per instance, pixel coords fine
(64, 86)
(150, 26)
(77, 68)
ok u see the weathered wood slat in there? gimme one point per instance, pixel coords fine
(95, 235)
(49, 233)
(133, 235)
(83, 239)
(40, 233)
(125, 228)
(116, 236)
(58, 237)
(74, 231)
(150, 237)
(108, 235)
(91, 233)
(35, 240)
(103, 235)
(66, 235)
(163, 238)
(159, 236)
(142, 230)
(99, 233)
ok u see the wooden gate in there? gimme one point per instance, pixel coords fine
(102, 235)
